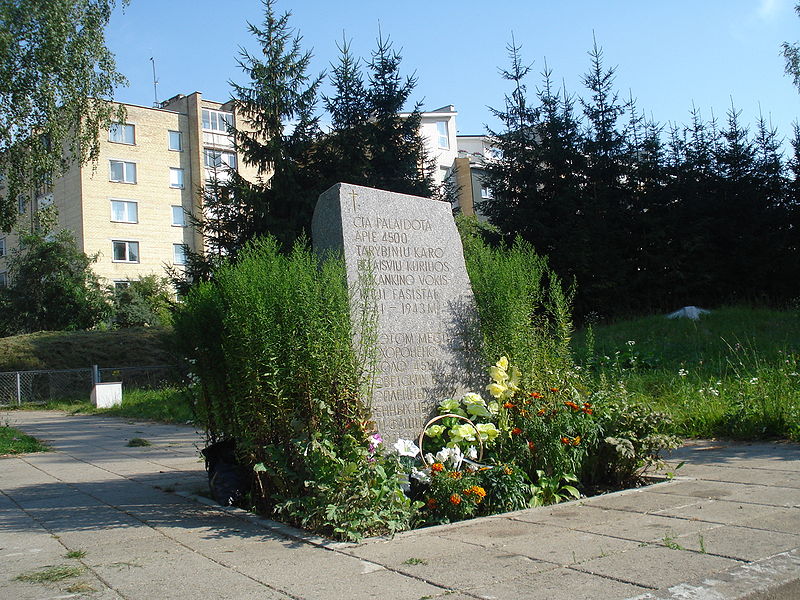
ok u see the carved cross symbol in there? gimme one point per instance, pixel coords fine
(353, 192)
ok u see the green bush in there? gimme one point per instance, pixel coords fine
(269, 342)
(523, 310)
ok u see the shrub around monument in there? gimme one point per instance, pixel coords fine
(270, 341)
(270, 344)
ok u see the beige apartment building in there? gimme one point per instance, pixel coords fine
(132, 207)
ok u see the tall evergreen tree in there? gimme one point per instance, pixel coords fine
(515, 176)
(397, 154)
(278, 133)
(609, 262)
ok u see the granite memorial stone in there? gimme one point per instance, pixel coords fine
(421, 292)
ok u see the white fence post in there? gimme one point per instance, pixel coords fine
(19, 389)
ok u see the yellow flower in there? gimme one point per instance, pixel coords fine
(496, 389)
(498, 374)
(503, 363)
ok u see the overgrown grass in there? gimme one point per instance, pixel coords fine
(52, 574)
(137, 346)
(733, 373)
(168, 405)
(13, 441)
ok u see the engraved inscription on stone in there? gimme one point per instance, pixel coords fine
(422, 293)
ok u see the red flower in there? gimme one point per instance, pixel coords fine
(554, 390)
(516, 431)
(455, 499)
(437, 467)
(536, 395)
(531, 446)
(431, 503)
(508, 405)
(565, 440)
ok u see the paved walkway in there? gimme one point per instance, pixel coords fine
(727, 528)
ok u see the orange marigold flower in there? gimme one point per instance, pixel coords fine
(572, 405)
(516, 431)
(455, 474)
(531, 446)
(541, 412)
(508, 470)
(431, 503)
(536, 395)
(587, 404)
(553, 390)
(576, 440)
(508, 405)
(587, 411)
(565, 440)
(476, 491)
(455, 499)
(437, 467)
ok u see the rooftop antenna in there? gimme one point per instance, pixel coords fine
(156, 103)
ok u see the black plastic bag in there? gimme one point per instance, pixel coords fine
(227, 479)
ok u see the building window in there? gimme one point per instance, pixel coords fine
(176, 178)
(121, 133)
(3, 279)
(124, 211)
(121, 284)
(2, 246)
(214, 120)
(179, 254)
(215, 159)
(122, 172)
(125, 251)
(178, 216)
(443, 134)
(22, 205)
(485, 193)
(175, 142)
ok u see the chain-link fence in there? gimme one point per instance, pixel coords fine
(21, 387)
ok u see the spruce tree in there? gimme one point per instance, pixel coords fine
(280, 96)
(515, 176)
(398, 161)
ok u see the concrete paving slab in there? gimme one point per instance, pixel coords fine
(644, 527)
(657, 567)
(559, 584)
(308, 572)
(643, 500)
(742, 474)
(740, 513)
(741, 543)
(735, 492)
(450, 563)
(555, 545)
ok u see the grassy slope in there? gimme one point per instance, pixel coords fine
(733, 373)
(79, 349)
(680, 343)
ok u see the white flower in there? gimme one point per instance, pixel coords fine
(443, 455)
(421, 476)
(430, 458)
(456, 457)
(753, 381)
(472, 453)
(406, 448)
(682, 372)
(631, 342)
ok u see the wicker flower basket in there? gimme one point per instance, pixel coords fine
(439, 418)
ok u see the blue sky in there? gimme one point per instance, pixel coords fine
(668, 54)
